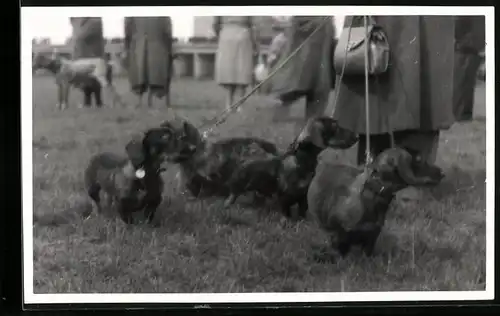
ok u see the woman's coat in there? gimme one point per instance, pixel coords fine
(148, 43)
(87, 38)
(417, 91)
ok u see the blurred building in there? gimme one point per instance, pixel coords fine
(195, 58)
(203, 27)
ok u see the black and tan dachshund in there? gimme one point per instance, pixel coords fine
(206, 167)
(132, 181)
(288, 175)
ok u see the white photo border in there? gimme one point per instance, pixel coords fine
(29, 14)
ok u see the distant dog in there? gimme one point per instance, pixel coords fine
(207, 167)
(289, 175)
(132, 181)
(351, 204)
(67, 76)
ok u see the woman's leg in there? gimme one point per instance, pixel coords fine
(230, 90)
(241, 92)
(139, 91)
(167, 89)
(150, 98)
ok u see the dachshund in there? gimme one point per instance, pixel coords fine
(350, 204)
(288, 175)
(207, 167)
(132, 181)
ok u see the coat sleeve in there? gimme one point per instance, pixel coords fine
(128, 31)
(168, 26)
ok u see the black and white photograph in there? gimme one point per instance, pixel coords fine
(171, 156)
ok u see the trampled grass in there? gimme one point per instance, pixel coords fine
(433, 240)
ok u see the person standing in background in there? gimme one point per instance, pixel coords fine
(277, 45)
(236, 54)
(88, 52)
(414, 99)
(469, 42)
(308, 73)
(275, 51)
(148, 51)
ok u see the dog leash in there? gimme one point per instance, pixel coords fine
(222, 117)
(387, 114)
(337, 91)
(368, 155)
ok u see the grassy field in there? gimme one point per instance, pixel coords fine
(433, 240)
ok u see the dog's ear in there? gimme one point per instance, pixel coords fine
(313, 133)
(135, 152)
(155, 140)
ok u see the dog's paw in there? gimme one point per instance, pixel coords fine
(323, 254)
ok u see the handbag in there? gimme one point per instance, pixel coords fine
(349, 56)
(261, 72)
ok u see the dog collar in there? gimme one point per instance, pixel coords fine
(377, 186)
(140, 173)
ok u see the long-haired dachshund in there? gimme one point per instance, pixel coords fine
(351, 204)
(132, 181)
(207, 167)
(288, 175)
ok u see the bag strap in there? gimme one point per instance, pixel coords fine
(368, 21)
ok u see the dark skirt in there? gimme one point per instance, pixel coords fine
(464, 84)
